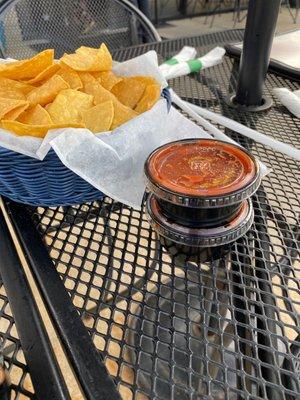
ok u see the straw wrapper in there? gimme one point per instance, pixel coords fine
(291, 100)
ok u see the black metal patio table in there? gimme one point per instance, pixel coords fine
(165, 325)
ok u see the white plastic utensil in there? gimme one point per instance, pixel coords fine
(214, 57)
(291, 100)
(185, 54)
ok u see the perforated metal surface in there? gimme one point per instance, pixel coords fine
(28, 26)
(13, 355)
(167, 326)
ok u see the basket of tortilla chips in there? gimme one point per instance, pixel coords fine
(40, 94)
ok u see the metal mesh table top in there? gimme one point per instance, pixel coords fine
(13, 355)
(166, 325)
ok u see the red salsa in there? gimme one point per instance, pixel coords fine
(201, 167)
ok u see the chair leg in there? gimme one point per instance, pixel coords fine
(218, 6)
(222, 1)
(194, 6)
(208, 12)
(290, 10)
(234, 10)
(297, 10)
(202, 4)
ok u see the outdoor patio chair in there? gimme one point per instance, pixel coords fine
(30, 26)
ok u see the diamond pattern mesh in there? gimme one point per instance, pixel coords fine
(167, 325)
(30, 26)
(13, 355)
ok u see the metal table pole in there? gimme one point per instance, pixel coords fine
(258, 38)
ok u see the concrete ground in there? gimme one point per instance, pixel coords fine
(199, 25)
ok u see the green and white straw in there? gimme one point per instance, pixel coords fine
(186, 67)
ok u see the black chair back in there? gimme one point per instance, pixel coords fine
(30, 26)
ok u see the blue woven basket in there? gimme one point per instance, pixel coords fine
(47, 182)
(42, 183)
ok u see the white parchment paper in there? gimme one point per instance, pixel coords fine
(145, 64)
(114, 162)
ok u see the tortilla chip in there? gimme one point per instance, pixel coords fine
(27, 69)
(99, 118)
(35, 116)
(34, 130)
(92, 51)
(12, 94)
(88, 59)
(129, 91)
(147, 80)
(86, 79)
(45, 74)
(107, 79)
(150, 97)
(68, 105)
(48, 91)
(122, 114)
(14, 114)
(71, 77)
(10, 84)
(92, 86)
(7, 105)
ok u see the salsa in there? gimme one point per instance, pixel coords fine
(201, 167)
